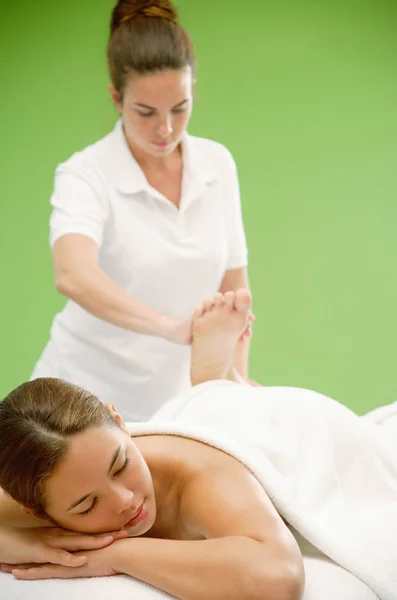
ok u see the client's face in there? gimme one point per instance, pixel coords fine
(102, 484)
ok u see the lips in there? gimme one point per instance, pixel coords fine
(136, 517)
(162, 144)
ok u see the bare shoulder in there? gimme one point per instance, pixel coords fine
(219, 495)
(225, 498)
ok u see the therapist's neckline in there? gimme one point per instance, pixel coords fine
(146, 161)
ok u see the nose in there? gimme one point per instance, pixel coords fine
(165, 127)
(124, 499)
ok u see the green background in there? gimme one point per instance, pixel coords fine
(304, 93)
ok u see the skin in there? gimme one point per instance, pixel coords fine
(207, 522)
(156, 109)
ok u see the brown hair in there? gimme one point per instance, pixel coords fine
(145, 37)
(37, 420)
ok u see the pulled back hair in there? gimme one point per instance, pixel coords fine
(145, 37)
(37, 421)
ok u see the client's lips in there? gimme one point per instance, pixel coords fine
(138, 517)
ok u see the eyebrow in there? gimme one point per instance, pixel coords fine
(153, 108)
(83, 498)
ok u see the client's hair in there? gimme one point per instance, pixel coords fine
(37, 420)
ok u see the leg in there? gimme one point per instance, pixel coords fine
(218, 325)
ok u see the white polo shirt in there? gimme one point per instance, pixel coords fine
(168, 258)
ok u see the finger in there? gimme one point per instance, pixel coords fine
(61, 557)
(10, 568)
(81, 542)
(46, 572)
(119, 535)
(247, 333)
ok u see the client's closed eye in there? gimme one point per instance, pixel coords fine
(123, 468)
(87, 512)
(115, 474)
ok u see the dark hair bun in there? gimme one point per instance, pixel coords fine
(125, 10)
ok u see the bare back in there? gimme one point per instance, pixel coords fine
(204, 493)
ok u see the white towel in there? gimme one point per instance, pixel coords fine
(331, 474)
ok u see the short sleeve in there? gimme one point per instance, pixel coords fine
(79, 205)
(238, 251)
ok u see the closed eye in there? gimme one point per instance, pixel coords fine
(116, 474)
(87, 512)
(175, 111)
(123, 468)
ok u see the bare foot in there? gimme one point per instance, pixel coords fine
(218, 325)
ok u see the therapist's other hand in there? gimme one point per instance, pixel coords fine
(247, 333)
(97, 563)
(178, 329)
(50, 545)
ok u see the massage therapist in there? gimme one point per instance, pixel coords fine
(146, 223)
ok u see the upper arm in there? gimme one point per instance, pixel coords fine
(238, 252)
(231, 502)
(77, 220)
(79, 206)
(73, 252)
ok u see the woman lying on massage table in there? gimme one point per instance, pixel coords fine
(199, 524)
(209, 529)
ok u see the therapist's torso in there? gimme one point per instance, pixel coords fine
(167, 257)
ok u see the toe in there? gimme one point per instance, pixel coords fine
(198, 311)
(219, 300)
(230, 300)
(243, 301)
(208, 304)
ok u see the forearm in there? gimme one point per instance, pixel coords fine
(97, 293)
(221, 569)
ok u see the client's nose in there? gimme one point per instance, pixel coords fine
(124, 499)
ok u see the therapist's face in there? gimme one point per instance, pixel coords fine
(156, 109)
(102, 484)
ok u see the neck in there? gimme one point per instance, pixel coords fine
(167, 482)
(149, 162)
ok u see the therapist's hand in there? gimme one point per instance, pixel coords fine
(50, 545)
(178, 329)
(247, 333)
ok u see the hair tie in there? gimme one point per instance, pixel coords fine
(152, 11)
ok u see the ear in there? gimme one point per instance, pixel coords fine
(32, 513)
(115, 96)
(118, 418)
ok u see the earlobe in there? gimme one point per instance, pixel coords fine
(31, 513)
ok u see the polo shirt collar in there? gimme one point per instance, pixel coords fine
(130, 179)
